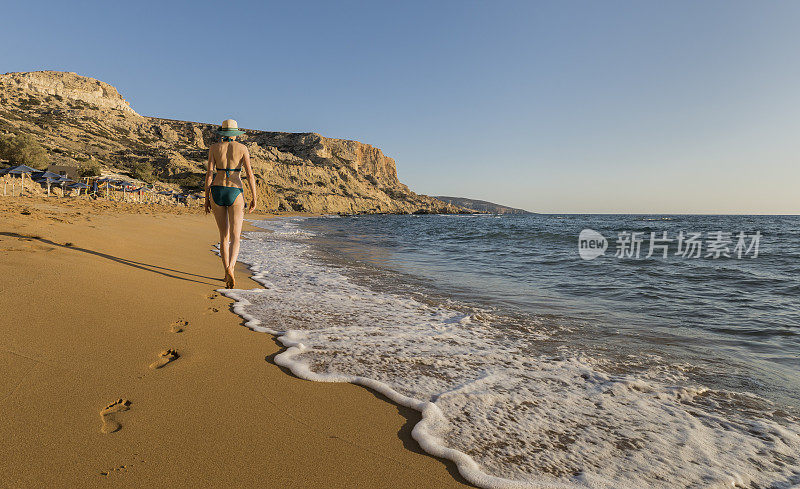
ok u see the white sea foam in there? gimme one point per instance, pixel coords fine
(506, 416)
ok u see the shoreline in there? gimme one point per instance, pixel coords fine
(423, 416)
(507, 389)
(93, 303)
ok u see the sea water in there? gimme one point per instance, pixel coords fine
(533, 367)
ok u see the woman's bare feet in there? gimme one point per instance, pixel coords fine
(230, 282)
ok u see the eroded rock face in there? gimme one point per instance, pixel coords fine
(198, 138)
(77, 118)
(68, 86)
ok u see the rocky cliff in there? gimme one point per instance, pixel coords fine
(80, 120)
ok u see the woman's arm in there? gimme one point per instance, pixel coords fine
(251, 179)
(209, 179)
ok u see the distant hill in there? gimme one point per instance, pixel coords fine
(480, 205)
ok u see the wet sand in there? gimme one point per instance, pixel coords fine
(122, 366)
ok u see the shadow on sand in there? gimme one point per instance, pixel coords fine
(131, 263)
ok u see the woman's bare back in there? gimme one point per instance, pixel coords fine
(228, 154)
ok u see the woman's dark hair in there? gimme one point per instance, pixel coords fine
(227, 138)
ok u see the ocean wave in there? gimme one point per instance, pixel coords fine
(508, 407)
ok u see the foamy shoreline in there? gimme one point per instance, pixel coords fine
(430, 413)
(280, 274)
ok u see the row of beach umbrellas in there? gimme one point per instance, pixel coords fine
(42, 176)
(50, 178)
(130, 187)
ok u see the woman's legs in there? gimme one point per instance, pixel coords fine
(221, 216)
(235, 218)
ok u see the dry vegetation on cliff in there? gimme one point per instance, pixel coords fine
(81, 121)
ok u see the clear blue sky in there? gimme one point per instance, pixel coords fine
(591, 106)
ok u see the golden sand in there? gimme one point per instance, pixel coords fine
(122, 366)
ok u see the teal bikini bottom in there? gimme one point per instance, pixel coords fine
(224, 196)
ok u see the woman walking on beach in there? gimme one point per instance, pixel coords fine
(225, 193)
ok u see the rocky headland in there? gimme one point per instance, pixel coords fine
(481, 205)
(81, 121)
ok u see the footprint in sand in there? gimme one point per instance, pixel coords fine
(177, 326)
(166, 357)
(110, 424)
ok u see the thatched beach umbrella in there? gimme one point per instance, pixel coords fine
(139, 191)
(21, 170)
(128, 188)
(64, 181)
(104, 182)
(78, 186)
(46, 174)
(120, 185)
(49, 180)
(142, 193)
(3, 171)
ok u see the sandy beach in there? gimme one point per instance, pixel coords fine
(500, 245)
(123, 366)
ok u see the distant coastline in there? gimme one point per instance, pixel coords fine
(481, 205)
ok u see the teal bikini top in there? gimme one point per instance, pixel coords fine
(229, 170)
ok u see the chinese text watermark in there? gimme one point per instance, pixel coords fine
(640, 245)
